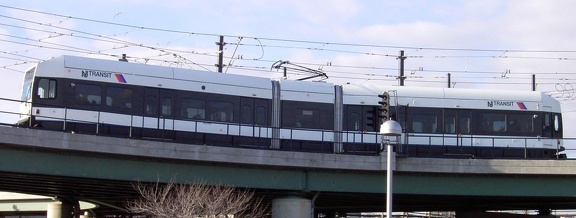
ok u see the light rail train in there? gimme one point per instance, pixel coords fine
(123, 99)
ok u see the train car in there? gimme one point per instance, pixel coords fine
(446, 122)
(117, 98)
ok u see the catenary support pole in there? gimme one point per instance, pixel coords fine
(401, 77)
(220, 44)
(533, 82)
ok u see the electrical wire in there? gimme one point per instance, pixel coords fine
(141, 45)
(354, 74)
(292, 40)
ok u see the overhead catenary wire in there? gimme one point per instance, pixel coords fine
(287, 40)
(433, 75)
(141, 45)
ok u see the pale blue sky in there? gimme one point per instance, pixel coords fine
(461, 27)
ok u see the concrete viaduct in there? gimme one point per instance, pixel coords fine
(101, 170)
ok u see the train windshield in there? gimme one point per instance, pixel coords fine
(27, 86)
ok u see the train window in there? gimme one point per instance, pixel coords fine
(520, 123)
(424, 123)
(150, 106)
(47, 88)
(247, 113)
(464, 127)
(87, 94)
(261, 115)
(193, 109)
(221, 111)
(494, 122)
(307, 115)
(117, 97)
(307, 118)
(166, 107)
(450, 125)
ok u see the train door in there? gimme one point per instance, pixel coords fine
(255, 122)
(358, 121)
(457, 128)
(551, 128)
(158, 121)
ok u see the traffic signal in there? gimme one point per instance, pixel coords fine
(384, 107)
(371, 120)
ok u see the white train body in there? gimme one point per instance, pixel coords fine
(153, 102)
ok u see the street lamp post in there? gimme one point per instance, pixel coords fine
(389, 128)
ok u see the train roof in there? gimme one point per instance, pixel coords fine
(367, 94)
(157, 76)
(260, 87)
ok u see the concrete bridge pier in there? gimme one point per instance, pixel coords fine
(60, 210)
(289, 207)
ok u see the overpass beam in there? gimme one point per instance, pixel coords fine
(483, 214)
(288, 207)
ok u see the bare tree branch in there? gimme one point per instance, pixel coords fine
(195, 200)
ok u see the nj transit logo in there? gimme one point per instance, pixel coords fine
(93, 73)
(520, 104)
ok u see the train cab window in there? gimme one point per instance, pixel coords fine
(120, 98)
(193, 109)
(557, 123)
(166, 107)
(558, 126)
(221, 111)
(47, 89)
(27, 87)
(85, 94)
(261, 116)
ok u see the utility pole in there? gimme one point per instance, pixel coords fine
(401, 67)
(220, 44)
(449, 81)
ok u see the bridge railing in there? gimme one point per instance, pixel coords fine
(480, 146)
(295, 139)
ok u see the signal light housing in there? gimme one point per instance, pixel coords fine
(384, 107)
